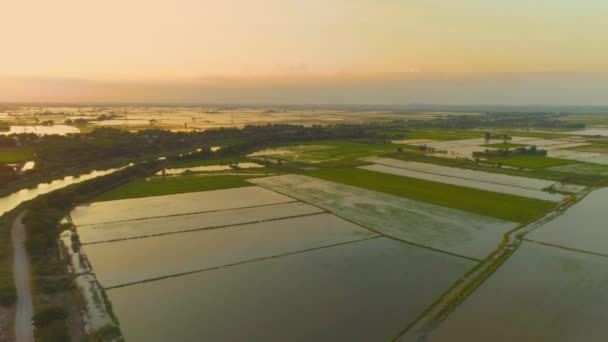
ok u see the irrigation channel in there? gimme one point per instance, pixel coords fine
(21, 264)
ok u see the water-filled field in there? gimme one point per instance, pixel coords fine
(363, 291)
(127, 261)
(422, 223)
(202, 118)
(541, 293)
(469, 183)
(497, 178)
(172, 224)
(209, 168)
(591, 132)
(132, 209)
(42, 130)
(583, 226)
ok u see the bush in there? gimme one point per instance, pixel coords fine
(106, 333)
(50, 286)
(48, 315)
(55, 331)
(8, 295)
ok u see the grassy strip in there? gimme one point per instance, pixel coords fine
(503, 206)
(469, 288)
(16, 154)
(159, 186)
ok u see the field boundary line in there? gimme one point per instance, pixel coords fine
(567, 248)
(241, 262)
(205, 228)
(185, 214)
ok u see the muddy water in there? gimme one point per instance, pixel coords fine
(363, 291)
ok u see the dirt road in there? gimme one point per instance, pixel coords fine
(24, 330)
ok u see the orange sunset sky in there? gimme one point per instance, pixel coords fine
(314, 51)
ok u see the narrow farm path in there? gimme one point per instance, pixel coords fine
(428, 320)
(24, 330)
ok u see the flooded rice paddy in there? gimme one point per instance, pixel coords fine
(582, 227)
(133, 209)
(593, 169)
(210, 168)
(202, 118)
(42, 130)
(129, 261)
(446, 229)
(362, 291)
(469, 183)
(277, 271)
(591, 132)
(172, 224)
(541, 293)
(488, 177)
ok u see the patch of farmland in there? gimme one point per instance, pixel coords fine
(188, 203)
(582, 227)
(516, 181)
(505, 189)
(128, 261)
(363, 291)
(418, 222)
(541, 293)
(172, 224)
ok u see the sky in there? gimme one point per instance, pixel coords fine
(301, 52)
